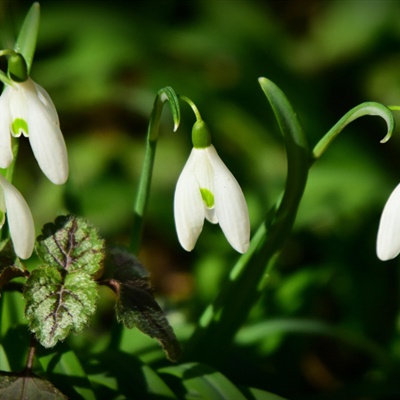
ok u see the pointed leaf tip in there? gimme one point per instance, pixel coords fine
(168, 93)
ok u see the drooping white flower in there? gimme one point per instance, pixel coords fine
(19, 218)
(388, 240)
(26, 108)
(207, 189)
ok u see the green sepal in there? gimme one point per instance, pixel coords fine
(17, 68)
(136, 305)
(58, 303)
(71, 244)
(201, 137)
(26, 41)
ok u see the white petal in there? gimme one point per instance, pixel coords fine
(46, 139)
(188, 207)
(230, 204)
(203, 169)
(45, 99)
(211, 215)
(18, 104)
(204, 173)
(6, 155)
(388, 240)
(20, 221)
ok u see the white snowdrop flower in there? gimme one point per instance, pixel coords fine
(26, 108)
(206, 189)
(19, 218)
(388, 240)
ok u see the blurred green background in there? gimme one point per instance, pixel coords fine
(327, 327)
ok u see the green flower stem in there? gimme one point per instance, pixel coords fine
(192, 106)
(223, 318)
(363, 109)
(142, 196)
(3, 76)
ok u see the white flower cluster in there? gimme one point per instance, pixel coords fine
(26, 109)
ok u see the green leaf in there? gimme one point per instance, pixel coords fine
(26, 41)
(136, 305)
(199, 381)
(13, 331)
(71, 244)
(4, 364)
(257, 394)
(14, 387)
(58, 304)
(164, 94)
(66, 371)
(115, 370)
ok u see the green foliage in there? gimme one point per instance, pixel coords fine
(136, 305)
(326, 325)
(195, 380)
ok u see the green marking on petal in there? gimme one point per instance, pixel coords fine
(207, 197)
(18, 127)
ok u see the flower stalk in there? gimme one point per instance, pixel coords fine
(142, 196)
(222, 319)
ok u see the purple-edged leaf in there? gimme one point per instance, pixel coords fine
(136, 305)
(10, 266)
(15, 387)
(58, 303)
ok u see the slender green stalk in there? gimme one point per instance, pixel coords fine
(143, 192)
(222, 319)
(142, 195)
(192, 106)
